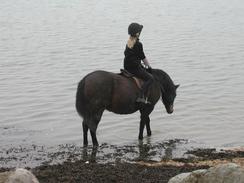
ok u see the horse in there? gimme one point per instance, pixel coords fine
(102, 90)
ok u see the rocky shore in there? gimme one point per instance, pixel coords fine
(130, 164)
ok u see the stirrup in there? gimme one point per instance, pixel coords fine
(143, 100)
(147, 102)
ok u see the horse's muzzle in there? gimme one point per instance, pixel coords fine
(170, 109)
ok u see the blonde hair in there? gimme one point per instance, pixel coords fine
(132, 40)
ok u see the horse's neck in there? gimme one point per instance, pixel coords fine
(162, 78)
(156, 86)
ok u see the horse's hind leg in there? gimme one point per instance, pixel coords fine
(94, 121)
(94, 138)
(85, 130)
(93, 135)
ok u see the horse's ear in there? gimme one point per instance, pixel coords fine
(176, 86)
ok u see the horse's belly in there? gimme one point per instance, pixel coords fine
(123, 107)
(122, 110)
(123, 96)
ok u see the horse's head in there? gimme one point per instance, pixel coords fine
(168, 89)
(168, 97)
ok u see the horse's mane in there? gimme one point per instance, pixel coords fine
(163, 78)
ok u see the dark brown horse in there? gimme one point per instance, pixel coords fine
(102, 90)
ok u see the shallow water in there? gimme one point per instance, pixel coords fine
(46, 47)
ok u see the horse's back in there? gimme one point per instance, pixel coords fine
(106, 90)
(110, 84)
(109, 79)
(98, 85)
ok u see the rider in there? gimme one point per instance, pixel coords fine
(132, 62)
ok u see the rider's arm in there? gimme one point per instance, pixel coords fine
(146, 63)
(142, 55)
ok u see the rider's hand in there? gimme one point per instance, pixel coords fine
(149, 69)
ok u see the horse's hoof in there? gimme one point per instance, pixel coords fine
(140, 137)
(149, 134)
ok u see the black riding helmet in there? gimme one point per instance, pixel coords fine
(134, 28)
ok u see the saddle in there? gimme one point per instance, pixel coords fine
(139, 82)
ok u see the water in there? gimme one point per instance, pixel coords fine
(46, 47)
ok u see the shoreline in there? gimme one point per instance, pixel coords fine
(129, 163)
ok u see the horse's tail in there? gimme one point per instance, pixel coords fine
(80, 98)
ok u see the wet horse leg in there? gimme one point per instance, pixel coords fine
(92, 127)
(149, 132)
(94, 138)
(145, 120)
(85, 130)
(142, 126)
(94, 121)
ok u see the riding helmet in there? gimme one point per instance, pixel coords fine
(134, 28)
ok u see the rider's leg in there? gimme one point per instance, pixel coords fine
(148, 79)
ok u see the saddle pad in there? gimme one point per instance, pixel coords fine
(138, 81)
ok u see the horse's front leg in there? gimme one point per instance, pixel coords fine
(149, 132)
(141, 129)
(145, 120)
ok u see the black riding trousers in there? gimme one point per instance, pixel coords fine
(145, 76)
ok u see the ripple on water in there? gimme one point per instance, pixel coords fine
(46, 51)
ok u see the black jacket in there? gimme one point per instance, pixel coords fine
(133, 57)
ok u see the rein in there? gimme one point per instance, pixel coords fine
(160, 85)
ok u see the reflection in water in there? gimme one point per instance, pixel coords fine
(142, 151)
(168, 153)
(164, 150)
(90, 158)
(32, 156)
